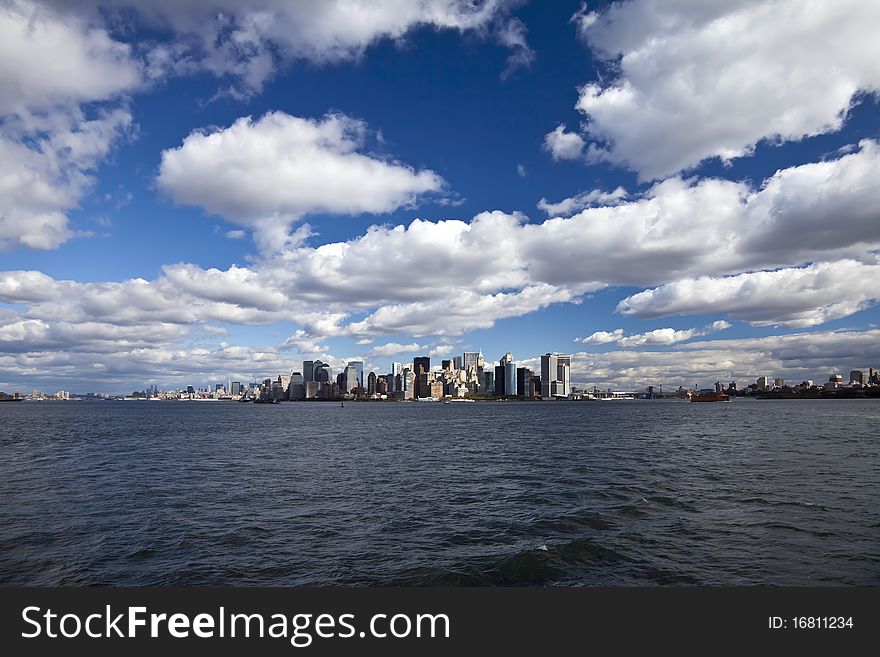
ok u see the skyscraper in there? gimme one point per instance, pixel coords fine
(563, 373)
(359, 366)
(555, 375)
(510, 378)
(421, 364)
(321, 372)
(472, 359)
(308, 371)
(548, 373)
(350, 378)
(499, 381)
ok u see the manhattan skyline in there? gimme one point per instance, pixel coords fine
(212, 191)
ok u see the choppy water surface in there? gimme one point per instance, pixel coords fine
(588, 493)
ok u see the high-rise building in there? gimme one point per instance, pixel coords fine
(350, 378)
(308, 370)
(524, 382)
(321, 372)
(506, 358)
(763, 382)
(487, 386)
(555, 375)
(359, 367)
(563, 373)
(858, 377)
(779, 383)
(510, 378)
(456, 362)
(445, 365)
(421, 364)
(371, 383)
(472, 359)
(548, 373)
(236, 388)
(408, 383)
(500, 380)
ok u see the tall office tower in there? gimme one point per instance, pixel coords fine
(858, 377)
(506, 358)
(445, 365)
(408, 383)
(549, 372)
(396, 369)
(779, 383)
(470, 358)
(321, 373)
(350, 378)
(371, 383)
(421, 365)
(236, 388)
(499, 381)
(524, 378)
(359, 367)
(510, 378)
(456, 362)
(308, 370)
(763, 382)
(424, 384)
(563, 373)
(487, 385)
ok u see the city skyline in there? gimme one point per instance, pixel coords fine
(213, 192)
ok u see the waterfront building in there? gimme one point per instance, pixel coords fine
(435, 389)
(555, 375)
(524, 386)
(858, 377)
(236, 388)
(321, 372)
(472, 359)
(408, 384)
(499, 381)
(308, 370)
(763, 382)
(371, 384)
(349, 379)
(510, 378)
(488, 383)
(313, 389)
(421, 364)
(779, 383)
(359, 368)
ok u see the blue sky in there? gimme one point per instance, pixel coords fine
(196, 192)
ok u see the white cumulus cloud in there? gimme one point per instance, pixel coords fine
(794, 297)
(712, 79)
(270, 172)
